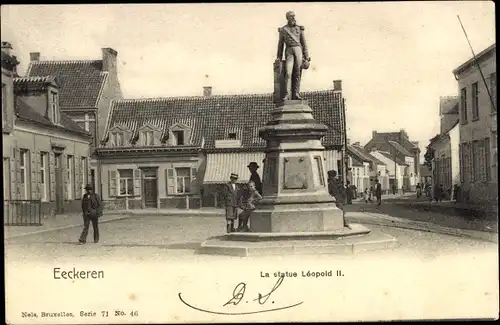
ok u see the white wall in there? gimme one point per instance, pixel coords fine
(454, 134)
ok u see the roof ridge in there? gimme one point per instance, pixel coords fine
(212, 96)
(64, 61)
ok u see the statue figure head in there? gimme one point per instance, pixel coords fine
(290, 16)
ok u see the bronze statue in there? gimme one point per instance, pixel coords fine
(291, 36)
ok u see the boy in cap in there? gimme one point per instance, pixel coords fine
(231, 201)
(92, 210)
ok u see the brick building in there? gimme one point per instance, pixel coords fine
(407, 152)
(86, 89)
(177, 151)
(478, 132)
(45, 153)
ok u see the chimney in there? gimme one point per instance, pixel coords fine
(337, 85)
(374, 134)
(109, 59)
(207, 91)
(6, 47)
(34, 56)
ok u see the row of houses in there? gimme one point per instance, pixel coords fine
(66, 124)
(389, 157)
(464, 153)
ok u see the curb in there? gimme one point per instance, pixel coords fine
(65, 227)
(429, 227)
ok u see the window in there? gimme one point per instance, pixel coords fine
(183, 180)
(475, 101)
(6, 179)
(44, 182)
(125, 182)
(463, 105)
(231, 136)
(84, 167)
(4, 105)
(178, 138)
(147, 138)
(70, 179)
(54, 110)
(493, 91)
(117, 139)
(87, 123)
(23, 165)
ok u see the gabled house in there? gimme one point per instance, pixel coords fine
(398, 144)
(45, 153)
(478, 127)
(86, 89)
(177, 151)
(445, 146)
(376, 169)
(396, 168)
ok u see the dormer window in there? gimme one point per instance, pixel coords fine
(231, 136)
(147, 138)
(54, 110)
(178, 137)
(117, 139)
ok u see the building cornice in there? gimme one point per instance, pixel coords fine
(482, 56)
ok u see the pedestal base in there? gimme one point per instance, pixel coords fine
(310, 217)
(352, 239)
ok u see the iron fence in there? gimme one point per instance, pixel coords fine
(22, 212)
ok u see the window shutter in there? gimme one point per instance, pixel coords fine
(194, 187)
(52, 176)
(169, 176)
(137, 182)
(64, 165)
(31, 173)
(77, 184)
(14, 166)
(38, 175)
(112, 183)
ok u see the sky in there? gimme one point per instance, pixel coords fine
(395, 59)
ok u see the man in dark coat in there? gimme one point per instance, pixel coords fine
(254, 176)
(92, 210)
(378, 192)
(231, 202)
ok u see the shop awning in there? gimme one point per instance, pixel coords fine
(221, 165)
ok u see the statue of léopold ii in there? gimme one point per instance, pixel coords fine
(288, 73)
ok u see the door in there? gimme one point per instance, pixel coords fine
(150, 187)
(59, 184)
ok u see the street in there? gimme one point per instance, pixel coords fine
(165, 237)
(152, 257)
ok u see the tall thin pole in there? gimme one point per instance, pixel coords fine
(477, 64)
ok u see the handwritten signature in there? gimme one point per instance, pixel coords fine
(239, 294)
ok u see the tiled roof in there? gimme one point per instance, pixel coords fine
(448, 105)
(357, 154)
(80, 81)
(25, 112)
(368, 156)
(400, 148)
(212, 118)
(391, 157)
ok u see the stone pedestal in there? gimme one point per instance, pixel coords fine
(295, 189)
(297, 214)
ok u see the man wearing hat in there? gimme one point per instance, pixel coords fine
(254, 176)
(231, 200)
(92, 210)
